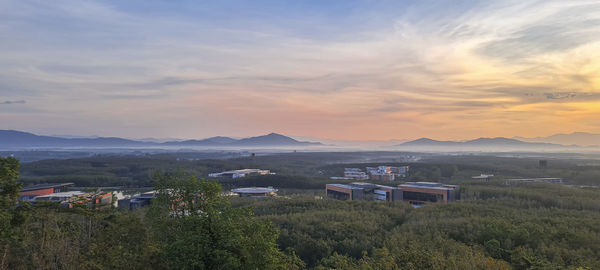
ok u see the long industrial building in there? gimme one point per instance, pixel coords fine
(30, 192)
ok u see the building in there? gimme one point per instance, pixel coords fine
(29, 193)
(551, 180)
(255, 192)
(69, 199)
(484, 177)
(355, 173)
(387, 173)
(401, 171)
(103, 200)
(137, 201)
(339, 178)
(420, 192)
(381, 176)
(363, 191)
(240, 173)
(62, 196)
(381, 173)
(414, 192)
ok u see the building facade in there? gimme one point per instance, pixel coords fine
(413, 192)
(363, 191)
(420, 192)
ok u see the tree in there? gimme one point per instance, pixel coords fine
(121, 241)
(197, 228)
(9, 214)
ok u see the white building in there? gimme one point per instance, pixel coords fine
(355, 173)
(240, 173)
(255, 192)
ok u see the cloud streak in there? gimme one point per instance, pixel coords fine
(9, 102)
(351, 70)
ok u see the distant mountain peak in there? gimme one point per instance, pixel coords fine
(479, 143)
(574, 138)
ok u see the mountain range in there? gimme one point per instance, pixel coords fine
(19, 139)
(578, 140)
(499, 143)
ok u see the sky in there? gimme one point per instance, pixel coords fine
(348, 70)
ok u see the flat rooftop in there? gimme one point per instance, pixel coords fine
(254, 190)
(369, 185)
(428, 185)
(344, 186)
(63, 194)
(361, 185)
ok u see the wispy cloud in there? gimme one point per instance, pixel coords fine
(9, 102)
(336, 69)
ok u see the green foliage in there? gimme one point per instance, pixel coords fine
(11, 216)
(191, 226)
(196, 228)
(121, 240)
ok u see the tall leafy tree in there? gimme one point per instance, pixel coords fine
(198, 229)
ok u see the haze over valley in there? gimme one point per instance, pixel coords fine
(321, 135)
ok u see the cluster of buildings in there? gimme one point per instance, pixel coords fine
(379, 173)
(144, 199)
(61, 194)
(413, 192)
(240, 173)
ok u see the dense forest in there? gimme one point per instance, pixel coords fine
(191, 226)
(299, 170)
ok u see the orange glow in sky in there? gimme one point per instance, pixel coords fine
(356, 70)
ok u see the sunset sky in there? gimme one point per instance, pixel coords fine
(360, 70)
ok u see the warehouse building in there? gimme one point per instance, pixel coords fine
(29, 193)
